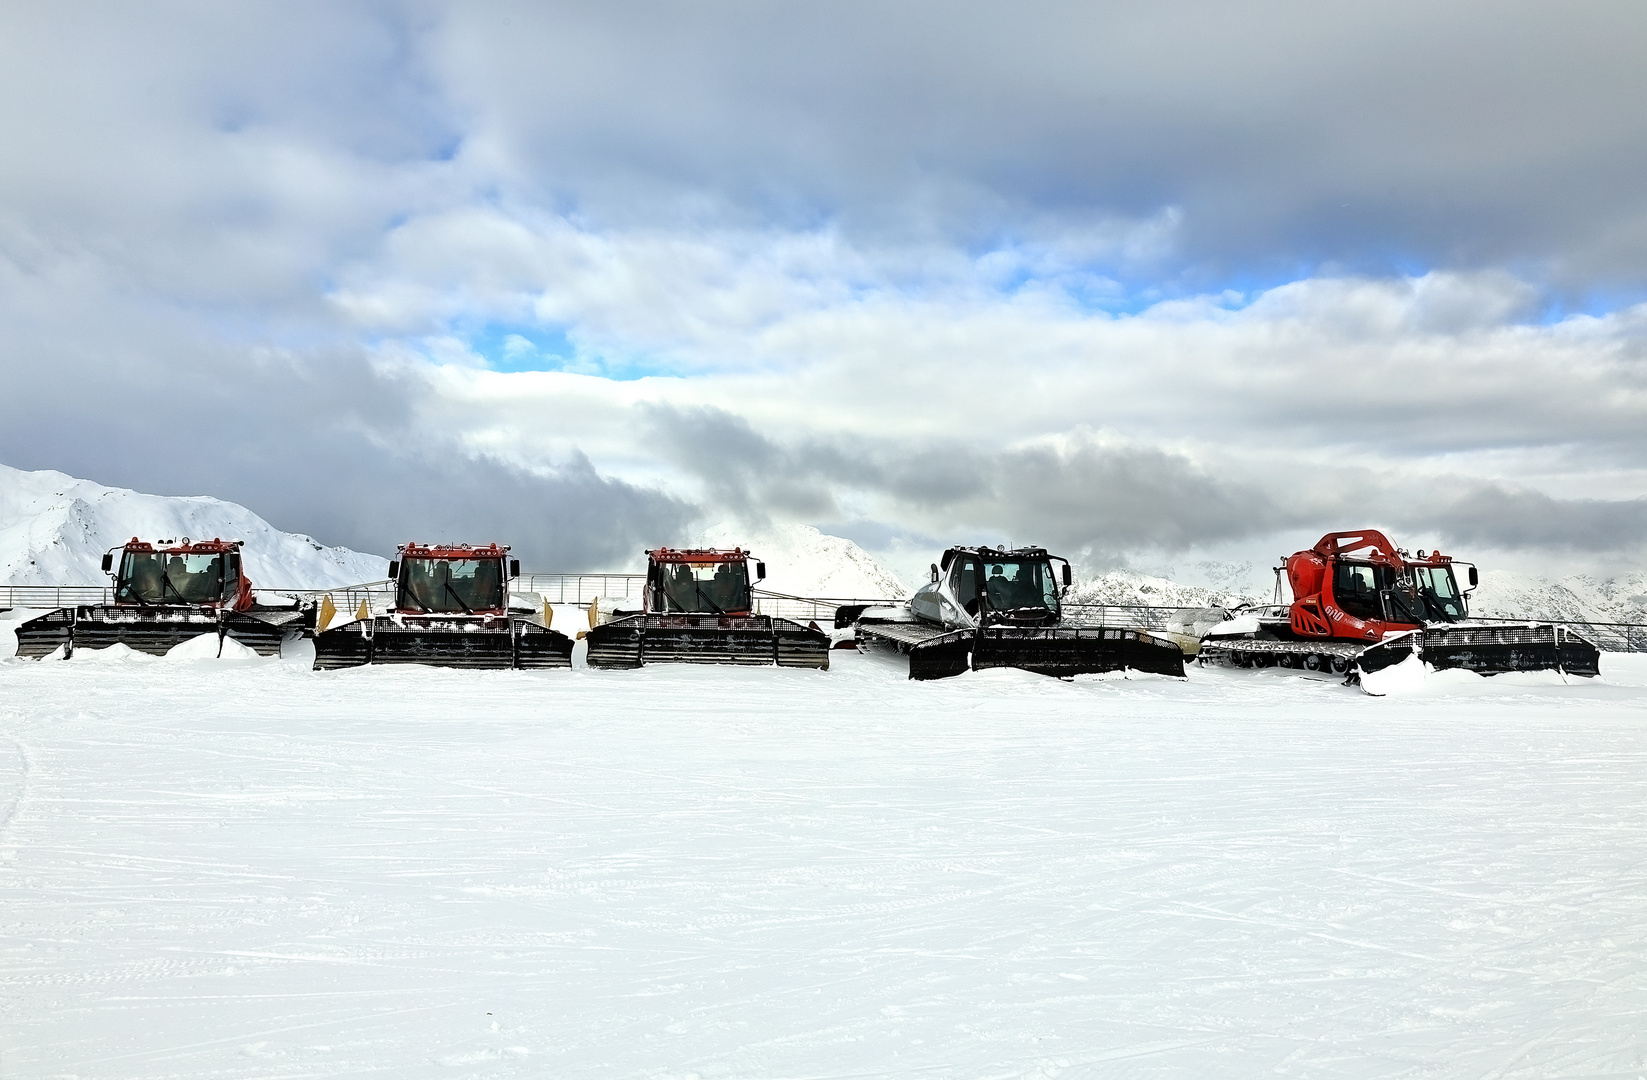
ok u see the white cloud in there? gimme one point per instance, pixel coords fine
(1051, 238)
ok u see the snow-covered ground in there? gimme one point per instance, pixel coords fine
(54, 530)
(248, 869)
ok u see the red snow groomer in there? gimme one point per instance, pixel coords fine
(697, 608)
(165, 593)
(1361, 604)
(451, 609)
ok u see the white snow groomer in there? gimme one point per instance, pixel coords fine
(1361, 605)
(993, 608)
(697, 609)
(451, 609)
(165, 593)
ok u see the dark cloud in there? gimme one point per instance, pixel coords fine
(1104, 504)
(1290, 135)
(191, 194)
(1490, 515)
(318, 442)
(749, 474)
(1105, 501)
(1091, 501)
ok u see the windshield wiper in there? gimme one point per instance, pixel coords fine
(166, 583)
(716, 607)
(467, 610)
(1439, 608)
(411, 594)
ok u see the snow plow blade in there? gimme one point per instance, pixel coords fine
(1061, 651)
(152, 632)
(1493, 650)
(741, 640)
(524, 643)
(40, 637)
(1485, 650)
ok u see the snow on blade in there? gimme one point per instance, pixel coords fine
(209, 647)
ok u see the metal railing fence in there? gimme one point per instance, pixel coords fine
(53, 596)
(1141, 616)
(1608, 637)
(804, 609)
(581, 588)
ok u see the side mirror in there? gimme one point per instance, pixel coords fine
(514, 568)
(1069, 578)
(934, 573)
(108, 561)
(1475, 578)
(760, 571)
(394, 570)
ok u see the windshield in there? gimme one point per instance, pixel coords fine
(1020, 583)
(158, 577)
(1439, 591)
(713, 588)
(450, 586)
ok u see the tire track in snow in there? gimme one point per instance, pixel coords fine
(14, 786)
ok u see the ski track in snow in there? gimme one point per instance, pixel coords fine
(252, 870)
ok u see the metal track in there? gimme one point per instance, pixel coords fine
(901, 634)
(1327, 657)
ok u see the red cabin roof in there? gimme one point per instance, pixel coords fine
(414, 550)
(214, 546)
(697, 556)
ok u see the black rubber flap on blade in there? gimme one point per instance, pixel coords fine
(1493, 650)
(262, 635)
(943, 656)
(155, 631)
(1067, 651)
(343, 646)
(752, 641)
(537, 646)
(522, 643)
(1386, 653)
(40, 637)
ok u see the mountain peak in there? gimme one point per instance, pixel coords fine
(54, 530)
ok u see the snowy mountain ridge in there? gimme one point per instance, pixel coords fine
(1579, 597)
(54, 530)
(802, 561)
(1506, 594)
(1126, 588)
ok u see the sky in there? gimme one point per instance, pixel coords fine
(1168, 286)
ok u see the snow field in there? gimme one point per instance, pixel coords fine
(247, 869)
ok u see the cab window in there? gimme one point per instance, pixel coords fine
(1355, 587)
(963, 578)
